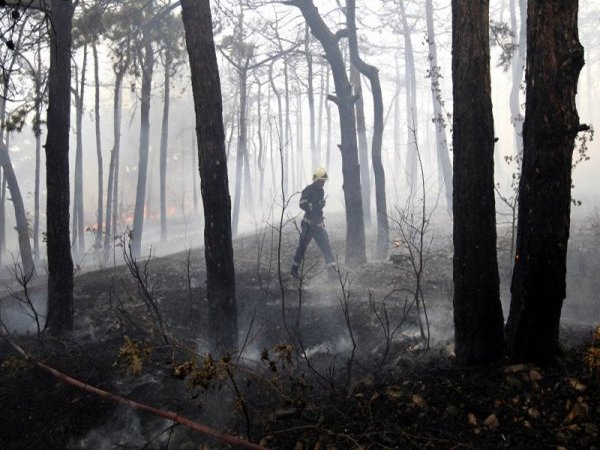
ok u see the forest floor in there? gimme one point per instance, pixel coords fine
(358, 375)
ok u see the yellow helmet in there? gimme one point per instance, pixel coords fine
(320, 174)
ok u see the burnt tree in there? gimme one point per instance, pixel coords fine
(206, 87)
(372, 73)
(554, 60)
(60, 265)
(478, 317)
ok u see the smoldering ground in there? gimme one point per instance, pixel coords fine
(363, 326)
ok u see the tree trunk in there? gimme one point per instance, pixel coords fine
(280, 139)
(310, 92)
(113, 171)
(241, 147)
(78, 220)
(164, 140)
(328, 120)
(355, 227)
(288, 148)
(195, 171)
(363, 149)
(60, 265)
(20, 214)
(138, 217)
(299, 136)
(477, 310)
(98, 148)
(320, 119)
(372, 74)
(220, 275)
(443, 155)
(411, 104)
(261, 157)
(554, 60)
(397, 134)
(2, 217)
(10, 179)
(37, 131)
(518, 66)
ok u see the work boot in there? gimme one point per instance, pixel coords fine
(332, 273)
(294, 272)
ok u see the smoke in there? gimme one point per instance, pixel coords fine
(18, 318)
(122, 430)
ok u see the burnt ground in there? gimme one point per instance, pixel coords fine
(330, 379)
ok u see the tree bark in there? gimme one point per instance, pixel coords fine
(78, 210)
(2, 217)
(37, 131)
(241, 147)
(363, 148)
(20, 214)
(411, 104)
(518, 66)
(164, 140)
(60, 265)
(140, 203)
(100, 211)
(372, 73)
(477, 310)
(554, 61)
(443, 155)
(310, 91)
(10, 180)
(113, 171)
(220, 274)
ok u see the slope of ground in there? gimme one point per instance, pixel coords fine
(359, 374)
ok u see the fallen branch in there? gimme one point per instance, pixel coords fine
(169, 415)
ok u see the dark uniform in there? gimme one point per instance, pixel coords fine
(312, 202)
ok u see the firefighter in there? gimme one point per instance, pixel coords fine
(312, 202)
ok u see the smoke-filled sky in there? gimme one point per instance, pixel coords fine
(379, 27)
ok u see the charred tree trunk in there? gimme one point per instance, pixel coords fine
(164, 140)
(344, 100)
(363, 148)
(411, 104)
(478, 318)
(220, 279)
(37, 131)
(280, 138)
(195, 171)
(2, 217)
(554, 61)
(100, 211)
(60, 265)
(329, 126)
(518, 66)
(314, 151)
(113, 171)
(397, 134)
(138, 217)
(288, 148)
(443, 155)
(372, 73)
(320, 119)
(78, 224)
(10, 180)
(20, 214)
(241, 147)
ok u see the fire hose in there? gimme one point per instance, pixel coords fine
(169, 415)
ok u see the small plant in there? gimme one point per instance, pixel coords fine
(132, 356)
